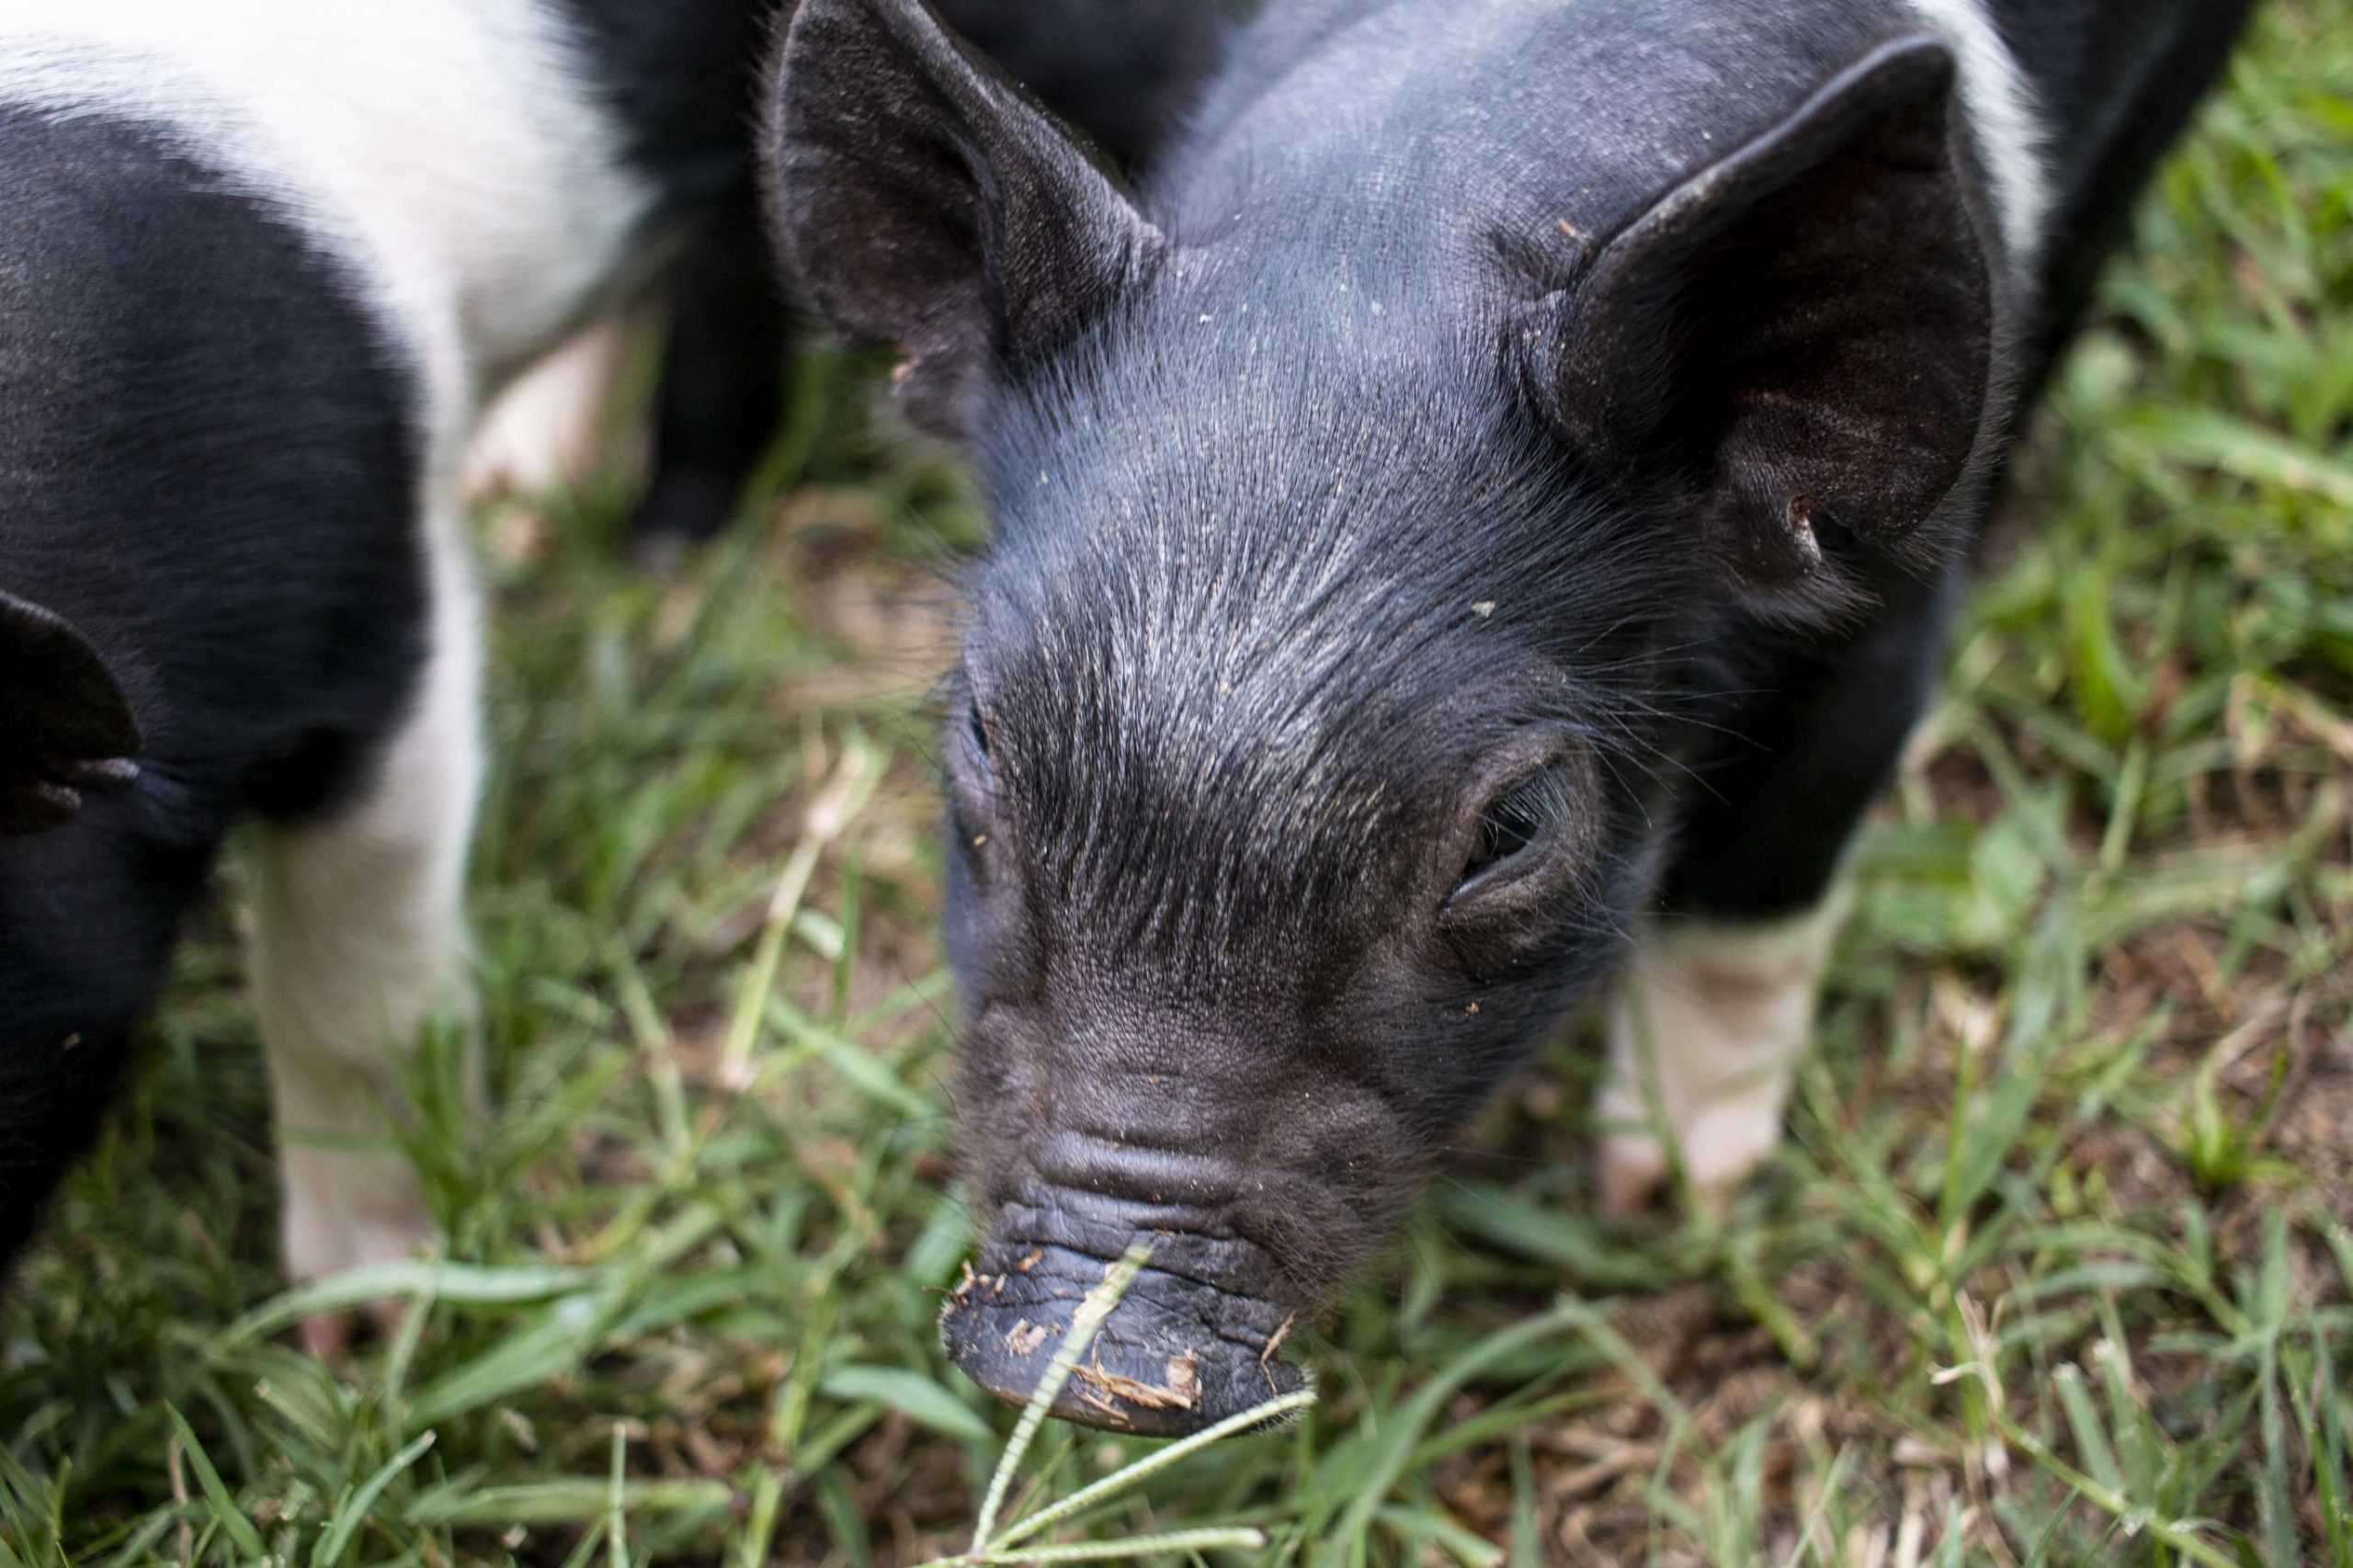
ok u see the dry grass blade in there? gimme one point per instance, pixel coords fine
(1084, 1324)
(846, 793)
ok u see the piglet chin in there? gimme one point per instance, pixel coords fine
(1175, 1356)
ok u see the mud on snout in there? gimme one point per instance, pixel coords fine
(1178, 1354)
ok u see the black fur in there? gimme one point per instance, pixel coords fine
(1795, 765)
(1805, 332)
(207, 470)
(1000, 225)
(681, 78)
(2117, 79)
(1124, 74)
(677, 78)
(1502, 475)
(720, 395)
(212, 584)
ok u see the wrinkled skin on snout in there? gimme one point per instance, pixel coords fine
(1365, 580)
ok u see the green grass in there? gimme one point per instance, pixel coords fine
(2057, 1266)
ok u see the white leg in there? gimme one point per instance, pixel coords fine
(547, 429)
(1707, 1027)
(358, 944)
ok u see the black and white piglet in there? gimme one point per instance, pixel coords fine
(260, 263)
(1476, 525)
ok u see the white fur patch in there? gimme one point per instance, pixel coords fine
(1708, 1026)
(358, 942)
(2005, 120)
(450, 150)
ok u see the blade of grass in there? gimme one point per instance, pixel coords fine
(616, 1501)
(1139, 1471)
(1234, 1537)
(1403, 1428)
(911, 1394)
(1427, 1527)
(760, 1529)
(2083, 1421)
(829, 815)
(355, 1510)
(1526, 1550)
(413, 1279)
(222, 1508)
(1084, 1324)
(577, 1500)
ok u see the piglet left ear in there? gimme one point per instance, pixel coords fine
(1798, 340)
(920, 198)
(68, 729)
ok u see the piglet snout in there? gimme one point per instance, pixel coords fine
(1178, 1353)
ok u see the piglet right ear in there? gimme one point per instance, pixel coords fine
(1799, 337)
(919, 197)
(65, 727)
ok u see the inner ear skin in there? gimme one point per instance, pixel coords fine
(922, 199)
(1799, 338)
(1852, 408)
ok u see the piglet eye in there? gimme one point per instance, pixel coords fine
(971, 784)
(1510, 822)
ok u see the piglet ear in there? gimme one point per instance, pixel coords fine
(919, 197)
(1798, 338)
(67, 729)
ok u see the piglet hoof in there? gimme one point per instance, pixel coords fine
(1722, 1147)
(343, 1211)
(1725, 1144)
(325, 1335)
(1633, 1169)
(329, 1335)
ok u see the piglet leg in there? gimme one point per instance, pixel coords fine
(360, 946)
(1706, 1031)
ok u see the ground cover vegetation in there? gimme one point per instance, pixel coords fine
(2056, 1267)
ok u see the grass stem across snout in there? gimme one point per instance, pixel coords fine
(989, 1547)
